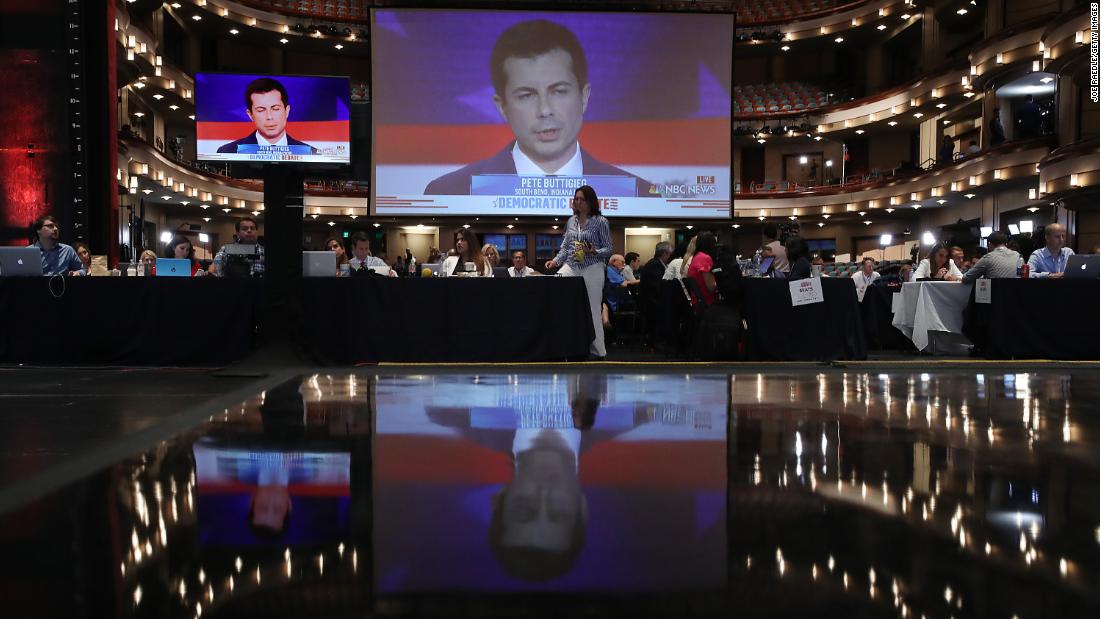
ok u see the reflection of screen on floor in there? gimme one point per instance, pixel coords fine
(633, 112)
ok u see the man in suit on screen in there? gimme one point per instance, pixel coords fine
(540, 77)
(268, 107)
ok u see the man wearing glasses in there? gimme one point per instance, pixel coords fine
(57, 257)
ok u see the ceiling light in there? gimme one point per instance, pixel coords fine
(803, 160)
(893, 123)
(918, 115)
(158, 96)
(761, 218)
(146, 191)
(166, 197)
(338, 46)
(941, 105)
(204, 206)
(331, 224)
(946, 122)
(192, 117)
(860, 132)
(315, 215)
(916, 206)
(862, 213)
(207, 219)
(968, 94)
(377, 225)
(690, 227)
(139, 85)
(941, 201)
(867, 222)
(465, 226)
(792, 217)
(175, 5)
(419, 225)
(961, 11)
(826, 216)
(284, 41)
(786, 48)
(226, 210)
(820, 224)
(354, 216)
(905, 16)
(257, 214)
(554, 227)
(817, 138)
(234, 31)
(890, 210)
(969, 196)
(761, 141)
(839, 40)
(196, 17)
(139, 114)
(173, 107)
(882, 26)
(1032, 209)
(1047, 80)
(886, 239)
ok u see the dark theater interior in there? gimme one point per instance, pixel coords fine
(549, 308)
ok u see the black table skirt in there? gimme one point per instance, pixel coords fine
(1037, 319)
(371, 319)
(827, 331)
(878, 317)
(202, 321)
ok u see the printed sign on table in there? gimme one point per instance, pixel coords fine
(806, 291)
(983, 291)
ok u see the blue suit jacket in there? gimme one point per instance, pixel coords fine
(457, 183)
(231, 147)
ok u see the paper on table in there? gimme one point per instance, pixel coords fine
(806, 291)
(983, 291)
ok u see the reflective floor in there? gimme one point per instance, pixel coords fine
(663, 495)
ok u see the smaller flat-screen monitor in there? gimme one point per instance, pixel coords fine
(272, 118)
(496, 240)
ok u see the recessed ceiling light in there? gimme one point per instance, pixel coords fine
(969, 196)
(918, 115)
(905, 16)
(196, 17)
(377, 225)
(226, 210)
(257, 214)
(761, 141)
(817, 138)
(204, 206)
(510, 226)
(158, 96)
(946, 122)
(284, 41)
(139, 114)
(1047, 80)
(176, 5)
(1032, 209)
(916, 206)
(554, 227)
(139, 85)
(882, 26)
(192, 117)
(166, 197)
(761, 218)
(786, 48)
(826, 216)
(315, 215)
(206, 219)
(146, 191)
(839, 40)
(184, 202)
(173, 107)
(968, 94)
(338, 46)
(867, 223)
(792, 217)
(941, 105)
(860, 132)
(820, 224)
(890, 210)
(331, 224)
(961, 11)
(893, 123)
(234, 31)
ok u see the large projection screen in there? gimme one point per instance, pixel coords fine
(508, 112)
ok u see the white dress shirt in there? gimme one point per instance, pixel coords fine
(262, 141)
(526, 167)
(922, 271)
(451, 261)
(862, 280)
(526, 272)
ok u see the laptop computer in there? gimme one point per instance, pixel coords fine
(173, 267)
(500, 272)
(319, 264)
(435, 268)
(1083, 266)
(20, 262)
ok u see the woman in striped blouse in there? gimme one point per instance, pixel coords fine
(584, 251)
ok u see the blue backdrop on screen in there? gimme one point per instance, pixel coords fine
(219, 97)
(632, 64)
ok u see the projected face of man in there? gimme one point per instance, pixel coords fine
(269, 113)
(544, 105)
(270, 507)
(542, 505)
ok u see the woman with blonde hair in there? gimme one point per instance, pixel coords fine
(491, 254)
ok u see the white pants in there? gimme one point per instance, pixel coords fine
(593, 280)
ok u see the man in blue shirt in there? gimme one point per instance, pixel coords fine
(57, 258)
(617, 284)
(1050, 261)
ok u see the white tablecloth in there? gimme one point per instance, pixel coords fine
(930, 306)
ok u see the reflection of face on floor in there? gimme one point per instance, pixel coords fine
(538, 520)
(269, 511)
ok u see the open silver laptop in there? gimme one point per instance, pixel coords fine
(435, 268)
(1083, 266)
(319, 264)
(20, 262)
